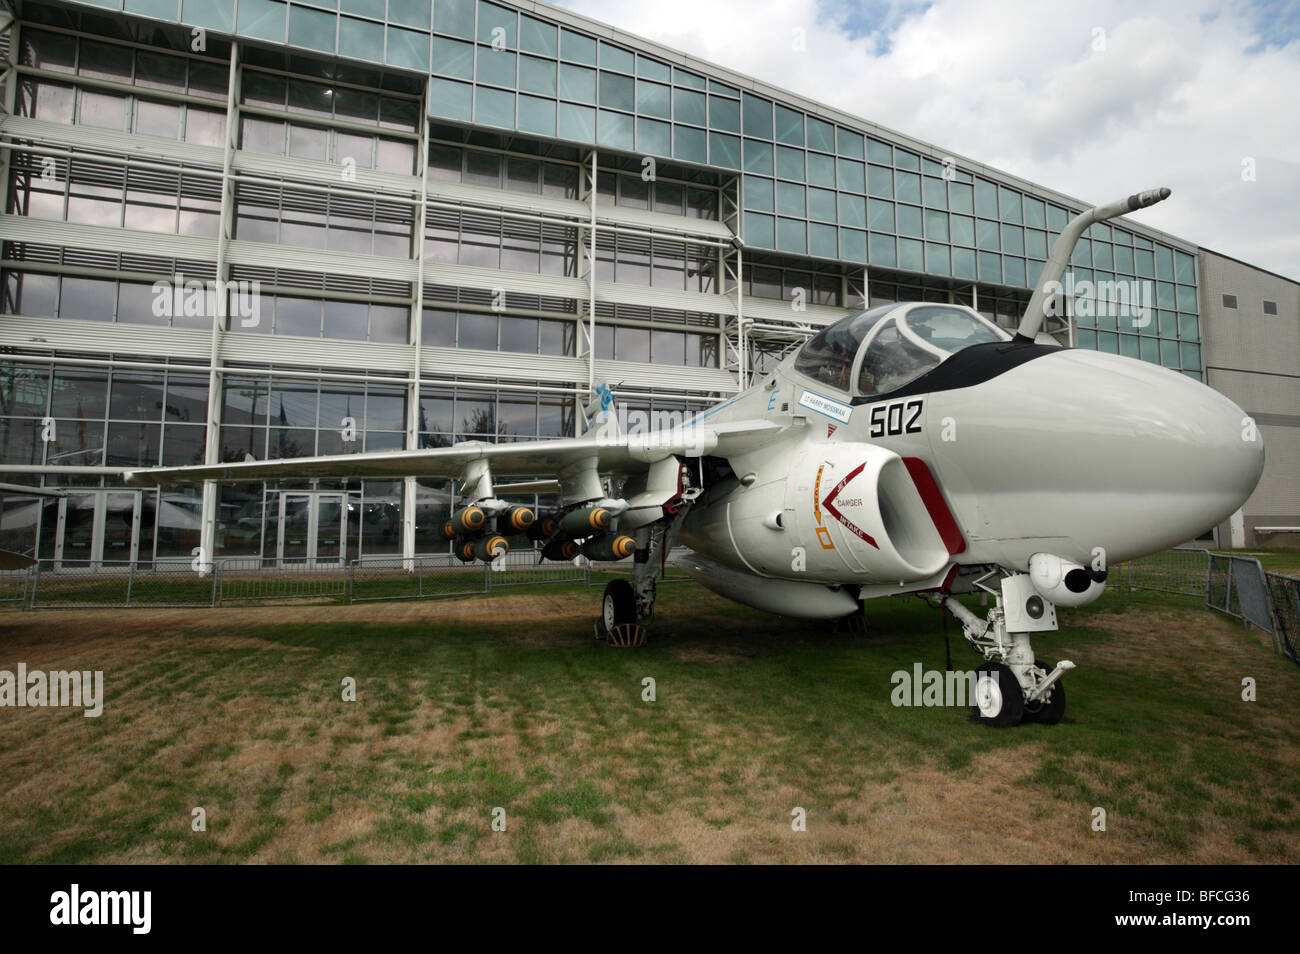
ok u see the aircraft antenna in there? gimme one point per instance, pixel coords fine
(1063, 248)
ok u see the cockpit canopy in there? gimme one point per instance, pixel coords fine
(882, 349)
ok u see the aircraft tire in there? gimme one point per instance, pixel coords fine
(618, 607)
(1051, 711)
(1005, 701)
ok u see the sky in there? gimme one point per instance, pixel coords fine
(1096, 99)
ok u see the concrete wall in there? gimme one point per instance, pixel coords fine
(1254, 359)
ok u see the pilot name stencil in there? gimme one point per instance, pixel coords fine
(824, 405)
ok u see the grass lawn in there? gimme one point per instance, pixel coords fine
(505, 701)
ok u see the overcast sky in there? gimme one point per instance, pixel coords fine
(1093, 98)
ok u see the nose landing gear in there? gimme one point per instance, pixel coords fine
(1011, 686)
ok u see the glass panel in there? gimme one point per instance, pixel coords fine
(313, 29)
(689, 107)
(690, 144)
(262, 19)
(361, 39)
(407, 49)
(537, 36)
(576, 47)
(455, 17)
(496, 66)
(724, 114)
(496, 25)
(537, 75)
(214, 14)
(654, 137)
(653, 99)
(617, 91)
(757, 116)
(578, 83)
(760, 230)
(724, 150)
(494, 107)
(412, 13)
(450, 57)
(537, 115)
(577, 122)
(616, 130)
(849, 143)
(450, 99)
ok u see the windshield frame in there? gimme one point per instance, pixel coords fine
(898, 318)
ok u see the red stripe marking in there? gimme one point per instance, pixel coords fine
(932, 497)
(947, 580)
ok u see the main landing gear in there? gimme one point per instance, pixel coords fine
(1011, 687)
(627, 606)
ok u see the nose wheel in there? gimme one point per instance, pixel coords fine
(1011, 687)
(1048, 709)
(999, 701)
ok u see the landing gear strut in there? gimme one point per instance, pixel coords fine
(1011, 686)
(632, 604)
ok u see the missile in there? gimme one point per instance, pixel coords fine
(464, 550)
(469, 519)
(610, 546)
(544, 528)
(449, 531)
(560, 550)
(585, 522)
(490, 547)
(515, 519)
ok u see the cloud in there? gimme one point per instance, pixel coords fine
(1092, 98)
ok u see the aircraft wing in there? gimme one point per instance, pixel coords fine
(621, 453)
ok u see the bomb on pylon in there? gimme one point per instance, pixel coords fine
(560, 550)
(544, 527)
(585, 522)
(469, 519)
(489, 547)
(609, 547)
(515, 520)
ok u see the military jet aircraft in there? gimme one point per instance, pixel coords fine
(909, 448)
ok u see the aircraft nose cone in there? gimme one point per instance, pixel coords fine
(1182, 457)
(1099, 450)
(1184, 438)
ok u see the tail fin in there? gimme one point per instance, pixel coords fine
(599, 415)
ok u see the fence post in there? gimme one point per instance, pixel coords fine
(130, 581)
(212, 600)
(352, 569)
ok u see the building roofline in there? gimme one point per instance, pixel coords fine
(829, 113)
(1255, 268)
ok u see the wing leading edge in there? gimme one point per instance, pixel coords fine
(624, 453)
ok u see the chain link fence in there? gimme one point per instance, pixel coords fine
(1181, 570)
(1284, 592)
(249, 580)
(1236, 586)
(14, 586)
(84, 584)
